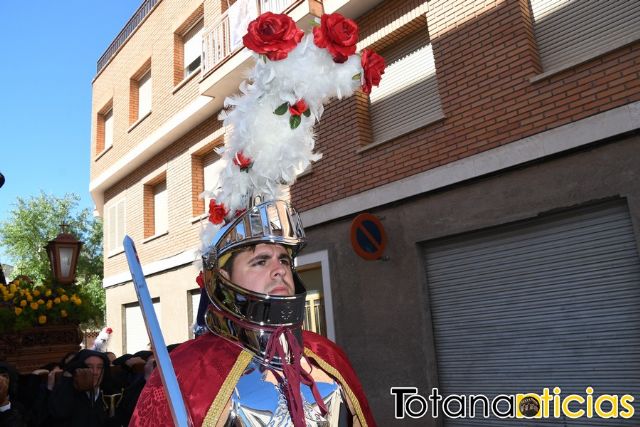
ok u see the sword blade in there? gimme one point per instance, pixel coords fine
(179, 412)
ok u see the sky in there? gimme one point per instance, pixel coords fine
(48, 55)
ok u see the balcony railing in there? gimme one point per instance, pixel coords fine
(145, 8)
(224, 37)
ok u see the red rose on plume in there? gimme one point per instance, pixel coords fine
(338, 34)
(273, 35)
(200, 280)
(217, 212)
(373, 69)
(298, 108)
(243, 162)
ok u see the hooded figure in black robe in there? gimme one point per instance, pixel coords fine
(77, 399)
(11, 411)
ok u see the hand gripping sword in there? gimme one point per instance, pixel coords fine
(179, 412)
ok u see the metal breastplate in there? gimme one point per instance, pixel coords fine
(258, 402)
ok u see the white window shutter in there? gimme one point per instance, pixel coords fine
(407, 98)
(120, 224)
(213, 166)
(144, 94)
(108, 129)
(193, 48)
(136, 337)
(111, 228)
(160, 205)
(568, 31)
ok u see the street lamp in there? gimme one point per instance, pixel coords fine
(63, 254)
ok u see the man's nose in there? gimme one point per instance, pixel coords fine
(278, 268)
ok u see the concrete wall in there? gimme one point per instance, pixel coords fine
(381, 310)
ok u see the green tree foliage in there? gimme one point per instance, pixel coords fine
(36, 220)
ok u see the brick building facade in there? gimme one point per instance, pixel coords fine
(496, 122)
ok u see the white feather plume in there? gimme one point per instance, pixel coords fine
(279, 153)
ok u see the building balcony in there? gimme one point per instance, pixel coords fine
(225, 60)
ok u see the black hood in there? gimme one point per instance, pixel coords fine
(79, 362)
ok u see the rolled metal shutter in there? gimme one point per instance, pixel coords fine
(548, 302)
(569, 31)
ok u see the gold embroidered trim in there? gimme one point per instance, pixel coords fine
(334, 372)
(220, 402)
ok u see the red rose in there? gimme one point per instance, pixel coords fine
(200, 280)
(273, 35)
(338, 34)
(372, 68)
(217, 212)
(244, 163)
(298, 108)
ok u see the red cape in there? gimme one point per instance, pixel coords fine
(208, 369)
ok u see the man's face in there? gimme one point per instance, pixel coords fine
(267, 270)
(96, 364)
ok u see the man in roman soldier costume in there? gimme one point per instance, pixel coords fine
(251, 363)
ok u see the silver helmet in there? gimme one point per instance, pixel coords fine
(246, 317)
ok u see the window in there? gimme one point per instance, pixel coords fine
(313, 269)
(135, 331)
(115, 226)
(144, 94)
(104, 129)
(160, 211)
(140, 94)
(206, 167)
(192, 48)
(569, 32)
(212, 167)
(193, 302)
(108, 129)
(156, 211)
(407, 98)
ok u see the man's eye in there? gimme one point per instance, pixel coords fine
(285, 261)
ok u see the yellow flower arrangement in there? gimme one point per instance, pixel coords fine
(23, 305)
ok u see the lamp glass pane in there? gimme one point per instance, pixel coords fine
(66, 255)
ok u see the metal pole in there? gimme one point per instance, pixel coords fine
(179, 412)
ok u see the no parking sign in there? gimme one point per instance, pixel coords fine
(368, 237)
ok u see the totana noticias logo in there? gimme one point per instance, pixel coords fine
(409, 403)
